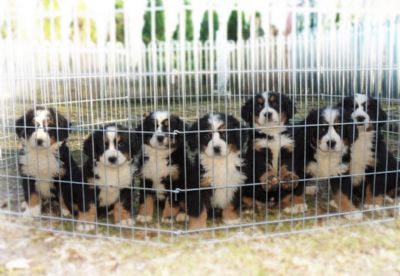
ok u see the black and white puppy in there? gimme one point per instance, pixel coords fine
(218, 165)
(270, 153)
(112, 163)
(324, 147)
(45, 163)
(370, 157)
(163, 165)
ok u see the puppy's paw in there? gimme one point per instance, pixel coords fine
(388, 200)
(296, 208)
(127, 222)
(31, 212)
(231, 221)
(144, 219)
(85, 227)
(167, 220)
(311, 190)
(376, 208)
(248, 211)
(289, 181)
(371, 207)
(182, 217)
(356, 216)
(333, 204)
(65, 212)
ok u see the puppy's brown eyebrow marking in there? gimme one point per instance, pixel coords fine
(221, 127)
(260, 100)
(272, 98)
(165, 122)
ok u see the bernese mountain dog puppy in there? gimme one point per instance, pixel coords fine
(370, 157)
(163, 168)
(109, 170)
(218, 165)
(270, 154)
(47, 168)
(324, 142)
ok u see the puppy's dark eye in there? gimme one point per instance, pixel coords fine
(208, 135)
(323, 128)
(120, 144)
(222, 134)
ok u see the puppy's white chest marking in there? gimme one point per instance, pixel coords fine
(44, 165)
(327, 164)
(110, 180)
(275, 145)
(156, 168)
(362, 155)
(223, 172)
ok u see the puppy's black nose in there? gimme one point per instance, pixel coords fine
(331, 144)
(160, 139)
(112, 159)
(268, 115)
(360, 119)
(39, 142)
(217, 150)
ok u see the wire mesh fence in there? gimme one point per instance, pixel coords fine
(135, 122)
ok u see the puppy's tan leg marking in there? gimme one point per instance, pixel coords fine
(372, 200)
(169, 212)
(293, 204)
(230, 215)
(247, 201)
(146, 210)
(200, 222)
(88, 216)
(34, 200)
(64, 209)
(121, 215)
(344, 204)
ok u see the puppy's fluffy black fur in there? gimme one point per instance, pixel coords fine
(370, 157)
(270, 158)
(45, 162)
(112, 161)
(218, 167)
(162, 166)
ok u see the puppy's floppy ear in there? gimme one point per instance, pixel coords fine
(176, 123)
(62, 124)
(310, 123)
(350, 130)
(288, 106)
(233, 129)
(135, 141)
(247, 111)
(193, 136)
(20, 125)
(92, 143)
(380, 114)
(346, 103)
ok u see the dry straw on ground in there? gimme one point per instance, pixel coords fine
(366, 250)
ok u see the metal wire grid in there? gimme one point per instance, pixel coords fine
(94, 84)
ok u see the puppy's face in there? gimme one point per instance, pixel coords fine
(365, 111)
(112, 146)
(330, 135)
(42, 128)
(268, 109)
(158, 128)
(217, 135)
